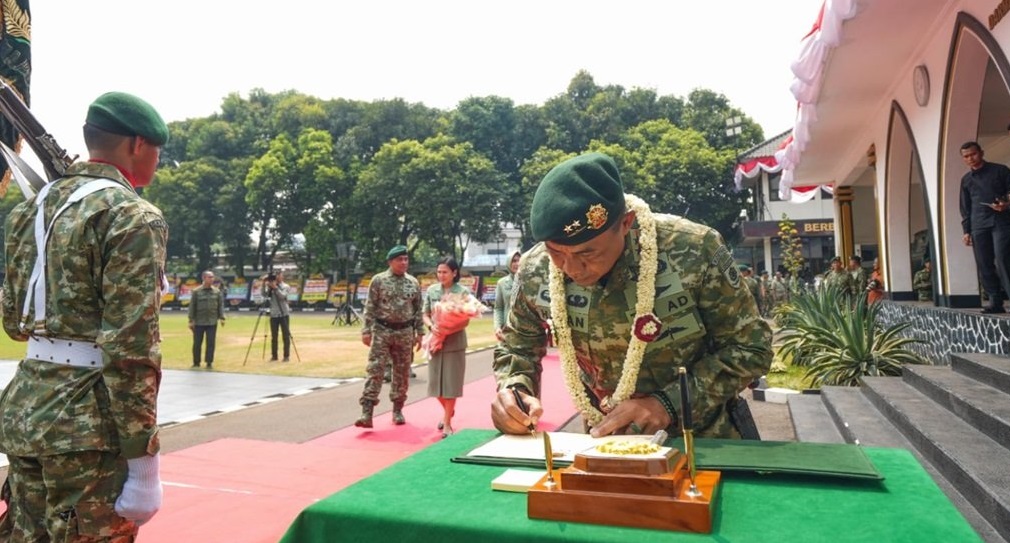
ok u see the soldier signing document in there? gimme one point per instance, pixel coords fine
(631, 295)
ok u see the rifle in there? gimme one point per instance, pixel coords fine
(54, 158)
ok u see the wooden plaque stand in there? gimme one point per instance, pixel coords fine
(649, 491)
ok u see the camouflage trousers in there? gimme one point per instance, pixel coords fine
(66, 498)
(389, 347)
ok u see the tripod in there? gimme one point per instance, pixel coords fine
(290, 337)
(263, 310)
(346, 314)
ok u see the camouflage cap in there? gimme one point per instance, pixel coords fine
(126, 115)
(577, 200)
(396, 251)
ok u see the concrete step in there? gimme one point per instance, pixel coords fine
(859, 421)
(991, 369)
(976, 403)
(811, 420)
(971, 462)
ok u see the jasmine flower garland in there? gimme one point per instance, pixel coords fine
(646, 293)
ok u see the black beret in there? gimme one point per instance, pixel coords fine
(126, 115)
(577, 200)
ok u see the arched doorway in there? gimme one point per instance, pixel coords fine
(908, 236)
(976, 106)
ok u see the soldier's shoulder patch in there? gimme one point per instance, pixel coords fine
(158, 223)
(723, 261)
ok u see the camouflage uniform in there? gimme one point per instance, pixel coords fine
(923, 285)
(68, 430)
(710, 325)
(859, 281)
(393, 318)
(842, 280)
(779, 292)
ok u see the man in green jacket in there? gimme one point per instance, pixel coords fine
(206, 309)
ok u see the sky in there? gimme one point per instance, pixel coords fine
(185, 56)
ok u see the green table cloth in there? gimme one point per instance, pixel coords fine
(425, 497)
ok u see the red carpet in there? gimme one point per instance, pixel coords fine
(246, 491)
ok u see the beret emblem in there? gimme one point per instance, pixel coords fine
(597, 216)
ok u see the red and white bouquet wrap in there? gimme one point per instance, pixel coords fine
(450, 315)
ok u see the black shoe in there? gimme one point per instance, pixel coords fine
(210, 366)
(286, 359)
(273, 359)
(993, 309)
(196, 364)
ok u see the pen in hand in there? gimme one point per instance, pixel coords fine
(522, 405)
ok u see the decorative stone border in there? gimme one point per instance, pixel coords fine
(946, 331)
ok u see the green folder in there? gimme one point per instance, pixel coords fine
(732, 455)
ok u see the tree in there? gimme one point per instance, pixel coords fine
(397, 192)
(790, 246)
(287, 187)
(676, 171)
(188, 197)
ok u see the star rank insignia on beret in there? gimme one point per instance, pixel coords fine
(597, 216)
(574, 228)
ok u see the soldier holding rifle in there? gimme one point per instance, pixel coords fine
(84, 273)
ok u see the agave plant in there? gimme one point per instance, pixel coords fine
(840, 342)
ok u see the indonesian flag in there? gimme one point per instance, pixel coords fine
(752, 168)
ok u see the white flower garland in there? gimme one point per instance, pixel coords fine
(646, 292)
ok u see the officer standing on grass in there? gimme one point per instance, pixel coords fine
(206, 309)
(631, 295)
(393, 329)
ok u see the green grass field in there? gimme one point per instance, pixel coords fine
(323, 349)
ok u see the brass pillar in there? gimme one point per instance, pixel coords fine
(843, 199)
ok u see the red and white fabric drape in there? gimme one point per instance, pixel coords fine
(809, 71)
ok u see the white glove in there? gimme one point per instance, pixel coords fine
(141, 496)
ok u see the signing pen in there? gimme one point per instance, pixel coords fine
(522, 405)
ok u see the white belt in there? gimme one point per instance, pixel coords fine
(82, 354)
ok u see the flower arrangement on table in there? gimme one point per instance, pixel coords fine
(450, 315)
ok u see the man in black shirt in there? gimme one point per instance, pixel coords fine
(986, 222)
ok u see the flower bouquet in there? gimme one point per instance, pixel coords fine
(450, 315)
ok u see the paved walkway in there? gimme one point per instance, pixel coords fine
(196, 407)
(188, 396)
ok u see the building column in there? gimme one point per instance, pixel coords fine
(843, 201)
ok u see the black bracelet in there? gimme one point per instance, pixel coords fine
(668, 406)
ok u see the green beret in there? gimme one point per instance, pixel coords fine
(577, 200)
(127, 115)
(743, 267)
(399, 250)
